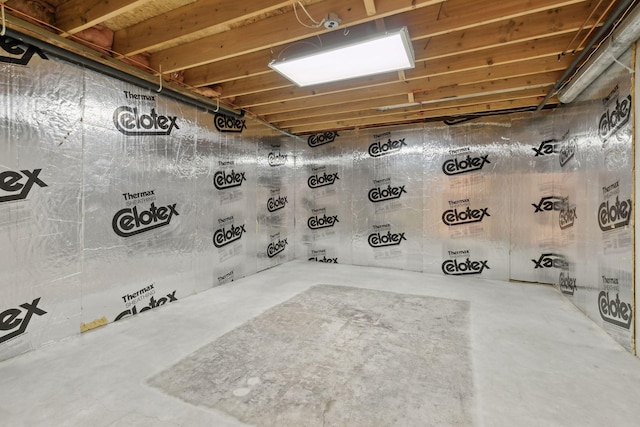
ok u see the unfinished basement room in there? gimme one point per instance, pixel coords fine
(360, 213)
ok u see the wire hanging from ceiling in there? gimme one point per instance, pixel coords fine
(316, 24)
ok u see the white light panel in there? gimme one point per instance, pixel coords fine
(389, 52)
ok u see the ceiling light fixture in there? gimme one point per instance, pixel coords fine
(391, 51)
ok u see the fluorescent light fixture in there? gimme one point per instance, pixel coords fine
(391, 51)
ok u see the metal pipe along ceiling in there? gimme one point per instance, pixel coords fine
(209, 107)
(587, 49)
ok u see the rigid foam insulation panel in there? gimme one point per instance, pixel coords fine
(534, 203)
(386, 201)
(41, 137)
(139, 215)
(466, 218)
(275, 201)
(425, 198)
(571, 201)
(593, 234)
(116, 199)
(323, 193)
(540, 197)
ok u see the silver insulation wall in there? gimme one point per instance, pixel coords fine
(571, 201)
(41, 152)
(275, 201)
(115, 200)
(467, 169)
(323, 193)
(425, 198)
(539, 197)
(594, 229)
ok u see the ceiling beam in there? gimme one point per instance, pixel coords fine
(456, 15)
(202, 18)
(505, 31)
(76, 15)
(491, 73)
(417, 117)
(269, 32)
(544, 80)
(502, 33)
(370, 7)
(536, 93)
(470, 72)
(512, 53)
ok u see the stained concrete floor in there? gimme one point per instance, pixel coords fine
(536, 360)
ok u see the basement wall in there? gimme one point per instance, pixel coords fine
(510, 198)
(540, 197)
(115, 200)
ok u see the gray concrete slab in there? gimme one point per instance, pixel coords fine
(336, 356)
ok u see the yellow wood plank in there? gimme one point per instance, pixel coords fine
(252, 64)
(537, 25)
(505, 89)
(456, 15)
(477, 75)
(284, 111)
(370, 7)
(477, 89)
(564, 20)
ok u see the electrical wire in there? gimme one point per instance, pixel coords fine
(584, 24)
(299, 43)
(468, 117)
(316, 23)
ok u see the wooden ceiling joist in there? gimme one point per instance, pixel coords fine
(201, 18)
(76, 15)
(564, 21)
(472, 56)
(267, 33)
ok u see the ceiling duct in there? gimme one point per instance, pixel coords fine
(608, 53)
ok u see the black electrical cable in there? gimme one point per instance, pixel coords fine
(463, 119)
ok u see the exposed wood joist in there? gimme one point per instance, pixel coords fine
(77, 15)
(370, 7)
(472, 56)
(497, 34)
(520, 69)
(201, 18)
(414, 117)
(423, 24)
(514, 53)
(373, 112)
(267, 33)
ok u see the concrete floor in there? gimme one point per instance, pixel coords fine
(536, 360)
